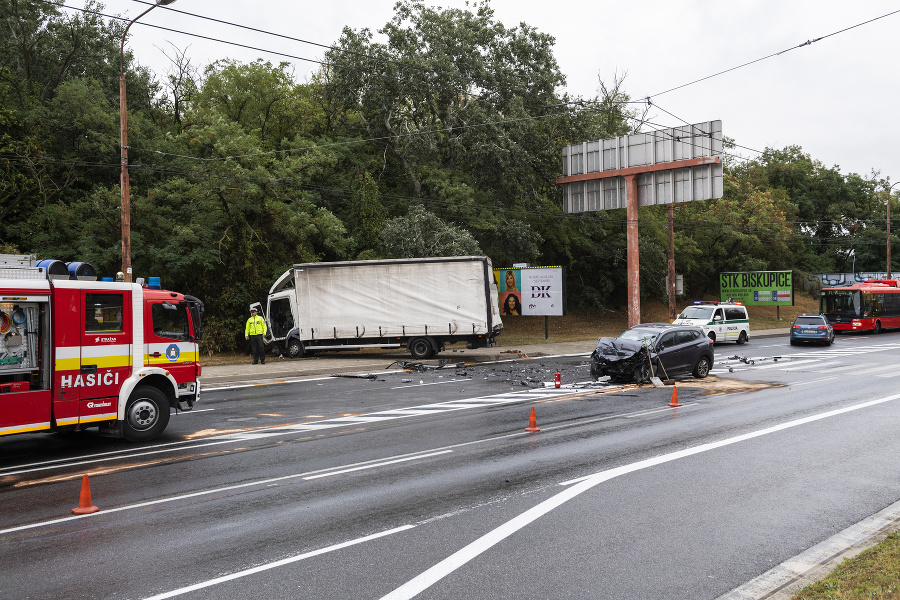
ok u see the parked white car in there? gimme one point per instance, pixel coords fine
(720, 321)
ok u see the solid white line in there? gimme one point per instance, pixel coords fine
(456, 560)
(778, 365)
(381, 464)
(412, 384)
(108, 458)
(788, 578)
(820, 365)
(814, 381)
(276, 564)
(218, 490)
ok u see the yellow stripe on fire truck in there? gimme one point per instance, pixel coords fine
(70, 358)
(26, 428)
(170, 354)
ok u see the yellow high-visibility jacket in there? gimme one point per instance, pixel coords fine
(256, 325)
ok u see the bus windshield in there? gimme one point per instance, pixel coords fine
(841, 302)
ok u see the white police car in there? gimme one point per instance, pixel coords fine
(721, 322)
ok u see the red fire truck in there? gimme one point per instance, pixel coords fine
(76, 352)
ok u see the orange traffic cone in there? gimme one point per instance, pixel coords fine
(84, 503)
(674, 401)
(532, 423)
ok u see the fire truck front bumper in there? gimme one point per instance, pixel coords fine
(188, 394)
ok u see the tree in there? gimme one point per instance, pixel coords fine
(446, 90)
(259, 96)
(422, 234)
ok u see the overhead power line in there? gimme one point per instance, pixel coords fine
(752, 62)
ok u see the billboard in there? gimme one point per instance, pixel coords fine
(586, 167)
(757, 288)
(531, 291)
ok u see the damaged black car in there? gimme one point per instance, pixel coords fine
(652, 350)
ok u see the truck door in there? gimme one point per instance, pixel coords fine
(105, 350)
(281, 318)
(169, 341)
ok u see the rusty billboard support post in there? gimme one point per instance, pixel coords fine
(680, 164)
(634, 270)
(671, 278)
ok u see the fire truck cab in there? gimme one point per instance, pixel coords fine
(77, 353)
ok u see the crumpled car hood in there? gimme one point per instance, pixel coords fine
(621, 356)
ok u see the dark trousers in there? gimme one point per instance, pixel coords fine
(257, 348)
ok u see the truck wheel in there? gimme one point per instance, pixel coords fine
(295, 349)
(146, 414)
(421, 348)
(712, 336)
(742, 338)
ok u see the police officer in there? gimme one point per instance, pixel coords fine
(254, 331)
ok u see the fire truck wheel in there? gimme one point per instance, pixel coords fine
(146, 414)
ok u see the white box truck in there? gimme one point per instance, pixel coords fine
(419, 304)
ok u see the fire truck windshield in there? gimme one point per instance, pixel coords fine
(170, 321)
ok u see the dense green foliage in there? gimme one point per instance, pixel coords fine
(440, 135)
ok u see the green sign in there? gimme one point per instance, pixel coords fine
(757, 288)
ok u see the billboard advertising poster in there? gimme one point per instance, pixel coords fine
(531, 291)
(758, 288)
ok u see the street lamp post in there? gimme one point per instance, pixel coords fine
(123, 138)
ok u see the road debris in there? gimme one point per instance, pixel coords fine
(421, 367)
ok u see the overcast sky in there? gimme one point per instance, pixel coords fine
(836, 98)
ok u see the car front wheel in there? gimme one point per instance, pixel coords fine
(701, 369)
(596, 370)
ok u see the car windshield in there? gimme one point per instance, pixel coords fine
(697, 312)
(639, 335)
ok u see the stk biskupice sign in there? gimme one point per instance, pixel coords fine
(758, 288)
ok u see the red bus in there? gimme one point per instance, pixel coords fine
(871, 305)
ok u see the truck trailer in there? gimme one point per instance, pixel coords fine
(420, 304)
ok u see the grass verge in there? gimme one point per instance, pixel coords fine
(872, 574)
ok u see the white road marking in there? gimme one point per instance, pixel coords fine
(381, 464)
(813, 381)
(788, 578)
(278, 563)
(218, 490)
(231, 438)
(818, 365)
(578, 486)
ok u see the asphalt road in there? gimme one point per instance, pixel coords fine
(427, 485)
